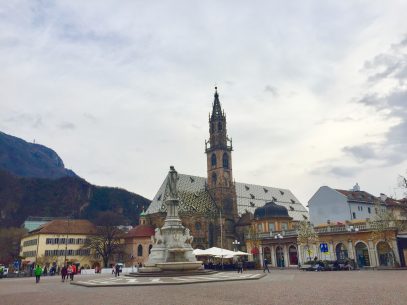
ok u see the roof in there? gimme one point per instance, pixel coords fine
(194, 198)
(270, 209)
(396, 203)
(141, 231)
(66, 226)
(358, 196)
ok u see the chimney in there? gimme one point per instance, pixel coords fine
(383, 197)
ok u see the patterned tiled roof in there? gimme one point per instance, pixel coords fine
(195, 199)
(251, 196)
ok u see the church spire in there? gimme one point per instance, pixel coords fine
(216, 109)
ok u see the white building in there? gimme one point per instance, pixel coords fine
(334, 205)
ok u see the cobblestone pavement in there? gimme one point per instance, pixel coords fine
(176, 280)
(279, 287)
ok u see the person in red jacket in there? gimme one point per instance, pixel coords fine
(73, 271)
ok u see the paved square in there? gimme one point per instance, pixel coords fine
(278, 287)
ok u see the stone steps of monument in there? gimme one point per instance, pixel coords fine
(171, 273)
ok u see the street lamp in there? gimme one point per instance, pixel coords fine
(279, 237)
(352, 229)
(236, 244)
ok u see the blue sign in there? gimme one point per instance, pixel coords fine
(323, 248)
(16, 264)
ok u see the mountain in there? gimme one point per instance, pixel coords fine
(34, 182)
(30, 160)
(21, 197)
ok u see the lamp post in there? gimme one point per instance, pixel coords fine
(352, 229)
(236, 244)
(279, 237)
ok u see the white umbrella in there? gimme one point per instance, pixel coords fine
(240, 253)
(198, 252)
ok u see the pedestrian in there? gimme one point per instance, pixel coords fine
(265, 265)
(73, 271)
(45, 271)
(117, 270)
(239, 266)
(70, 272)
(37, 273)
(64, 273)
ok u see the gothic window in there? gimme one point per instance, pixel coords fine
(225, 160)
(140, 250)
(149, 249)
(214, 178)
(198, 226)
(213, 160)
(212, 127)
(219, 126)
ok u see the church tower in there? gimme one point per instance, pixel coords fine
(219, 167)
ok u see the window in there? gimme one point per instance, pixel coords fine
(368, 210)
(212, 127)
(149, 249)
(30, 242)
(213, 160)
(354, 215)
(219, 126)
(140, 250)
(252, 196)
(225, 160)
(198, 226)
(214, 178)
(284, 226)
(282, 193)
(271, 227)
(260, 227)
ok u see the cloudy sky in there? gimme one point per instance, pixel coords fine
(315, 92)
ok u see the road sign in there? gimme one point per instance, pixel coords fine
(323, 247)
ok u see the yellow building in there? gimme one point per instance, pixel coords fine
(59, 241)
(354, 240)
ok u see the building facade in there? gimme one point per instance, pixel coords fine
(335, 205)
(59, 241)
(356, 241)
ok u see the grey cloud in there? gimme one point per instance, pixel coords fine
(33, 120)
(391, 65)
(271, 89)
(67, 125)
(337, 171)
(361, 152)
(90, 117)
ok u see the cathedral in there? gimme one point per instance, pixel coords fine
(217, 210)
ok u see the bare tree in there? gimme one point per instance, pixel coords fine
(107, 241)
(306, 235)
(10, 243)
